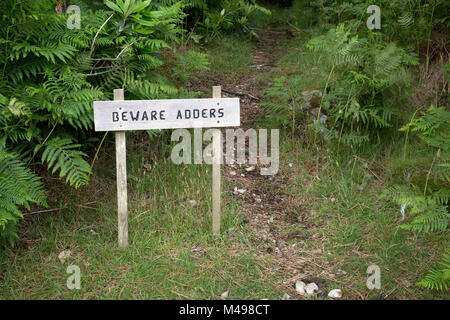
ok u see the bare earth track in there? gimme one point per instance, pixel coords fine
(267, 209)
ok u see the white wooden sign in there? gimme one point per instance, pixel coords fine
(122, 115)
(166, 114)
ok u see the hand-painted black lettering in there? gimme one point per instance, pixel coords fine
(134, 118)
(196, 113)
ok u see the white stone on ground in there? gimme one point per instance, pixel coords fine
(335, 293)
(224, 295)
(300, 287)
(311, 288)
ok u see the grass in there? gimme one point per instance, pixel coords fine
(230, 55)
(164, 226)
(356, 228)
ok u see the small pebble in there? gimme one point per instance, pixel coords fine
(335, 293)
(63, 255)
(311, 288)
(300, 287)
(238, 191)
(224, 295)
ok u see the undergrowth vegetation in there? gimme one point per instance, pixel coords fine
(51, 74)
(366, 97)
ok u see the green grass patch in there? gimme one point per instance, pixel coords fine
(230, 55)
(358, 227)
(164, 225)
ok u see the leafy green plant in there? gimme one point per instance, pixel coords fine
(432, 127)
(188, 63)
(402, 21)
(369, 76)
(217, 17)
(429, 208)
(50, 75)
(283, 103)
(62, 154)
(438, 279)
(19, 186)
(366, 78)
(428, 213)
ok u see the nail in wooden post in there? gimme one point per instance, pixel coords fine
(216, 178)
(121, 167)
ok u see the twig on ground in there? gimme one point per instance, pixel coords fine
(367, 166)
(241, 94)
(43, 211)
(84, 205)
(261, 65)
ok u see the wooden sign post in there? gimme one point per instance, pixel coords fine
(216, 177)
(123, 115)
(121, 172)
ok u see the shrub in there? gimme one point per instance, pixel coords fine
(49, 77)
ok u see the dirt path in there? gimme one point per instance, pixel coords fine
(268, 211)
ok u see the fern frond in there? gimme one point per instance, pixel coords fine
(438, 279)
(434, 219)
(18, 187)
(60, 154)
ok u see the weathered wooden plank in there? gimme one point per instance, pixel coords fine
(166, 114)
(121, 170)
(216, 176)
